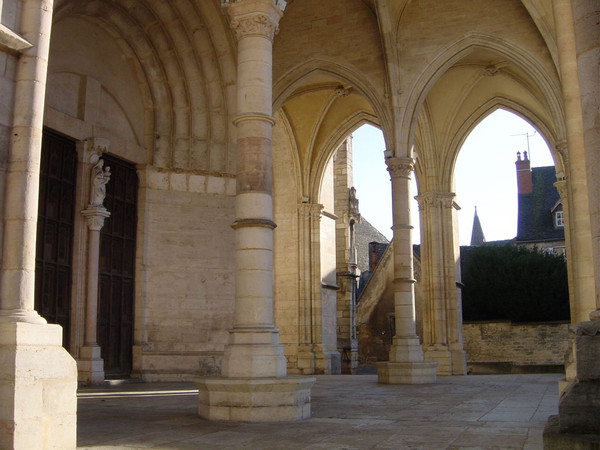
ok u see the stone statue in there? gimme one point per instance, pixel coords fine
(353, 201)
(98, 182)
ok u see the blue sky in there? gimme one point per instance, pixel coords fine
(485, 176)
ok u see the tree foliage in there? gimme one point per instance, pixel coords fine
(513, 283)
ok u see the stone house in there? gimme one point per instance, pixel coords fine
(176, 157)
(541, 212)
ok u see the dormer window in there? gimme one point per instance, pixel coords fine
(559, 219)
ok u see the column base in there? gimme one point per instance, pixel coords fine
(450, 362)
(38, 388)
(90, 366)
(406, 349)
(406, 372)
(306, 359)
(328, 363)
(254, 399)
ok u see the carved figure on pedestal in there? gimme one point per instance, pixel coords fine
(99, 179)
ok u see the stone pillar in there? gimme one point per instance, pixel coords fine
(563, 191)
(90, 364)
(38, 378)
(309, 218)
(314, 354)
(442, 314)
(347, 212)
(580, 254)
(578, 41)
(254, 386)
(587, 43)
(577, 424)
(406, 363)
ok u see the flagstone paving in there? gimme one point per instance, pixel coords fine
(348, 412)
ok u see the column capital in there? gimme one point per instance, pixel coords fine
(311, 209)
(95, 216)
(255, 17)
(400, 167)
(561, 187)
(430, 199)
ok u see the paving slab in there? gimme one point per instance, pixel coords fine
(348, 412)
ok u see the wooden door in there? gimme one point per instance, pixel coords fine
(117, 267)
(53, 263)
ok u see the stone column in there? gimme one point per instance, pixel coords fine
(406, 363)
(309, 218)
(580, 254)
(442, 315)
(563, 191)
(254, 386)
(38, 378)
(91, 364)
(347, 212)
(587, 43)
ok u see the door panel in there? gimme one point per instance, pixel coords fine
(56, 214)
(117, 262)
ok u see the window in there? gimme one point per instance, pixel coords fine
(559, 220)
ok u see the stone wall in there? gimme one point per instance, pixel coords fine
(500, 347)
(185, 284)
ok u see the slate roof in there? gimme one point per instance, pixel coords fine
(364, 233)
(535, 218)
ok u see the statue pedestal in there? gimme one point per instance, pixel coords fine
(406, 364)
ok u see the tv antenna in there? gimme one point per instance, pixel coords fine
(527, 135)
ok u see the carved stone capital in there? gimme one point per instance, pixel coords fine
(400, 167)
(95, 217)
(310, 210)
(561, 187)
(563, 150)
(255, 17)
(435, 199)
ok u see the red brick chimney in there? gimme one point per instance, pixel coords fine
(524, 183)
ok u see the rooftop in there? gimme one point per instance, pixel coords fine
(535, 222)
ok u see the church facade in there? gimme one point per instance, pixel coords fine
(167, 195)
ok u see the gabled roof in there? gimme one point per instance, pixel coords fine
(535, 219)
(364, 233)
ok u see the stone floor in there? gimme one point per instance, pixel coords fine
(348, 412)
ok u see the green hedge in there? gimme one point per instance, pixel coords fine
(507, 282)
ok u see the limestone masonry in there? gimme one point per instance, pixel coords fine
(176, 190)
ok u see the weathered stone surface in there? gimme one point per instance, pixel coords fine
(406, 373)
(254, 399)
(38, 383)
(579, 408)
(554, 439)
